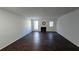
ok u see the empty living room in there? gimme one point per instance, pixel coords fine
(39, 29)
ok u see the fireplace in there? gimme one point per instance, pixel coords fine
(43, 29)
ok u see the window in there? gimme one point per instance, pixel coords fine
(36, 25)
(51, 24)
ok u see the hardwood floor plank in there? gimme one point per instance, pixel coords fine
(42, 41)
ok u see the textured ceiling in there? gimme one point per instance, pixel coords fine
(41, 11)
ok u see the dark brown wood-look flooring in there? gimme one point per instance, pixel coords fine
(42, 41)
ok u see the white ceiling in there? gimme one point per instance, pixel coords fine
(41, 11)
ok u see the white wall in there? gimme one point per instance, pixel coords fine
(46, 25)
(68, 26)
(12, 27)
